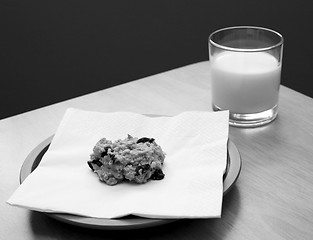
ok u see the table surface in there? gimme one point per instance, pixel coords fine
(272, 198)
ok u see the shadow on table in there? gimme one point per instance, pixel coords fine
(46, 227)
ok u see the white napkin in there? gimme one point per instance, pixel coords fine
(196, 148)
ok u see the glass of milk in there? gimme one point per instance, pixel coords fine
(245, 66)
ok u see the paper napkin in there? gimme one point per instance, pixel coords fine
(196, 148)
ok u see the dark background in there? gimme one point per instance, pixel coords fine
(56, 50)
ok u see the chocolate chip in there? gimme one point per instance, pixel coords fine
(96, 161)
(157, 175)
(90, 165)
(145, 139)
(144, 168)
(105, 152)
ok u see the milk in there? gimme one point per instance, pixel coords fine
(245, 82)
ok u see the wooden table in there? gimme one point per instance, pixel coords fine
(272, 198)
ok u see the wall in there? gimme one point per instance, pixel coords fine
(55, 50)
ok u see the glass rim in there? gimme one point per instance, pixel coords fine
(280, 42)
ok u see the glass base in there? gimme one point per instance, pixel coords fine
(250, 119)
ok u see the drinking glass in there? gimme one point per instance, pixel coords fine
(246, 64)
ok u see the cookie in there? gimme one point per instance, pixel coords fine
(131, 159)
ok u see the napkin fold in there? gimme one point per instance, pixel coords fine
(196, 149)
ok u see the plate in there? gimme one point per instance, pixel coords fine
(231, 174)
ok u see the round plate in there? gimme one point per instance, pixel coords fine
(130, 222)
